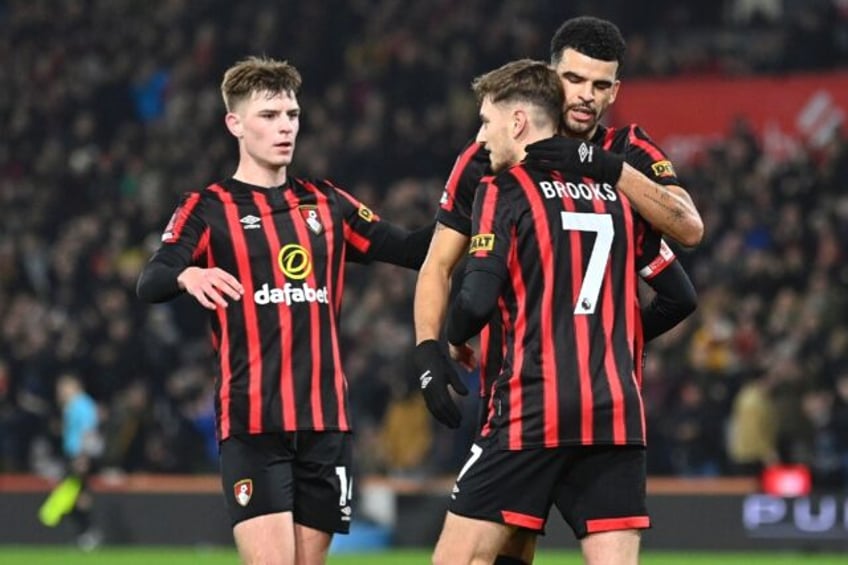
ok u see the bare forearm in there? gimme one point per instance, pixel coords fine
(431, 302)
(433, 288)
(668, 208)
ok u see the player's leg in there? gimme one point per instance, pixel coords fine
(258, 482)
(323, 477)
(266, 540)
(519, 549)
(602, 497)
(468, 540)
(89, 536)
(312, 545)
(498, 492)
(620, 547)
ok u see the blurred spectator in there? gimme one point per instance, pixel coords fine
(11, 455)
(753, 427)
(406, 437)
(817, 446)
(693, 433)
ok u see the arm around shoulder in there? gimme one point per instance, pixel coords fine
(669, 208)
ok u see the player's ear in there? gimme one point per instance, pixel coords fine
(615, 86)
(234, 124)
(519, 122)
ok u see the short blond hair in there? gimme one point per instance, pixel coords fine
(258, 74)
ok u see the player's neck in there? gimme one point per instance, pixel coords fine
(251, 172)
(532, 137)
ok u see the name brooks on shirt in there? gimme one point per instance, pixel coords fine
(578, 191)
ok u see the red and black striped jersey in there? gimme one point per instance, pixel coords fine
(472, 165)
(569, 250)
(277, 348)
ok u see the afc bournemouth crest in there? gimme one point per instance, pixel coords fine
(310, 216)
(243, 490)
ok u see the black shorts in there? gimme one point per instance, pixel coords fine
(595, 488)
(307, 473)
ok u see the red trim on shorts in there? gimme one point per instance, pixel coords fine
(522, 520)
(623, 523)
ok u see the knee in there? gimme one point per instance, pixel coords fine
(440, 557)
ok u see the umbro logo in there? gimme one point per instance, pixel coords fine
(585, 152)
(250, 222)
(425, 379)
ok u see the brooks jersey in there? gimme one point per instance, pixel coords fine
(569, 249)
(472, 165)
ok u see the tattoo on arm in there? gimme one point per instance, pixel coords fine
(665, 199)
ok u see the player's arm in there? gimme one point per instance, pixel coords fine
(370, 238)
(455, 208)
(398, 246)
(474, 305)
(675, 297)
(649, 180)
(674, 301)
(435, 372)
(667, 206)
(450, 241)
(433, 286)
(171, 271)
(158, 279)
(486, 271)
(167, 275)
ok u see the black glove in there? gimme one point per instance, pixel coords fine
(578, 156)
(435, 373)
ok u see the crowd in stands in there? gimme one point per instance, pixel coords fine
(111, 109)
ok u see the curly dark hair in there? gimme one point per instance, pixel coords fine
(594, 37)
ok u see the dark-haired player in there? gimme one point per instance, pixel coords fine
(556, 253)
(587, 54)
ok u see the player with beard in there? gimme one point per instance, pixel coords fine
(587, 54)
(556, 253)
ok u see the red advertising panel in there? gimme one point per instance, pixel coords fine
(684, 114)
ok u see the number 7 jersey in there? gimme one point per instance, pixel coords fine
(570, 250)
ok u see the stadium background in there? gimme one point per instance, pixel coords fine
(110, 109)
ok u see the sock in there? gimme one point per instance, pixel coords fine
(82, 519)
(60, 501)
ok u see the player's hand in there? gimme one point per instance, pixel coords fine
(435, 373)
(464, 355)
(210, 286)
(579, 156)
